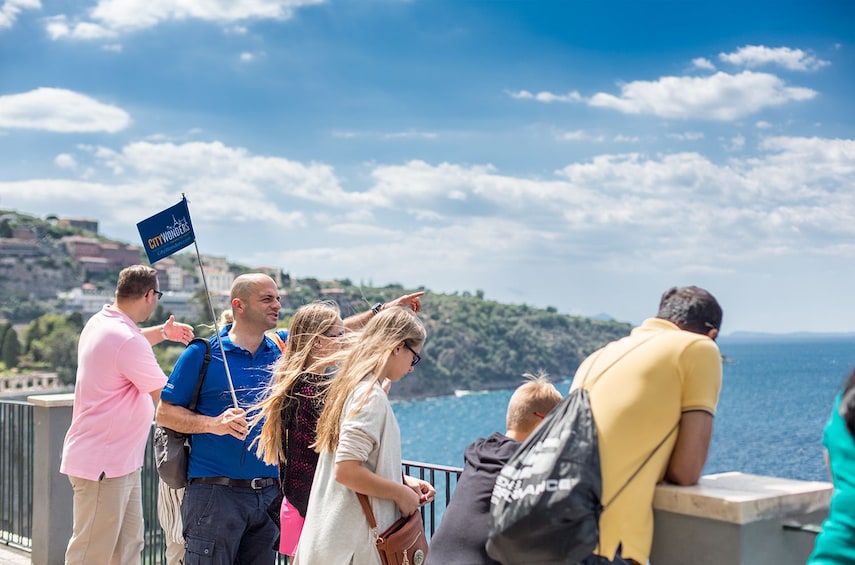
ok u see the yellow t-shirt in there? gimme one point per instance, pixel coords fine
(636, 403)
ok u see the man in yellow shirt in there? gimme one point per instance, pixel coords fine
(653, 396)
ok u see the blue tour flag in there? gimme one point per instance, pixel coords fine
(166, 232)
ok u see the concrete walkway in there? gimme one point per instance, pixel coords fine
(14, 556)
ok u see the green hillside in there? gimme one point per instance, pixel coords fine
(473, 343)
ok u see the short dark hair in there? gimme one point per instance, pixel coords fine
(135, 281)
(691, 308)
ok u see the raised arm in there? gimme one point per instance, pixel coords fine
(412, 301)
(169, 330)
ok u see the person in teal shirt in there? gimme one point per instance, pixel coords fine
(836, 543)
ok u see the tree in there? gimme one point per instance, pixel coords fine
(61, 345)
(4, 327)
(11, 349)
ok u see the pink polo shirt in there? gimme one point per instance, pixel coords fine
(113, 408)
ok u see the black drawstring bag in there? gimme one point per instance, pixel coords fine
(545, 506)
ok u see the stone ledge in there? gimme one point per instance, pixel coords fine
(51, 400)
(741, 498)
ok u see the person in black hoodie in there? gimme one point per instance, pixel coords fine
(462, 534)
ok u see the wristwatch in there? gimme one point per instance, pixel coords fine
(377, 307)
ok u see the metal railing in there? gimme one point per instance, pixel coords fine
(16, 472)
(16, 486)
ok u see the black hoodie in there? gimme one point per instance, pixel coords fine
(462, 534)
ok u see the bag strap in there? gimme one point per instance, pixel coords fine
(612, 364)
(640, 467)
(277, 339)
(366, 507)
(597, 378)
(202, 371)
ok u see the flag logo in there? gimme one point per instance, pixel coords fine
(166, 232)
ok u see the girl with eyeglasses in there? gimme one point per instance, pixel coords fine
(359, 443)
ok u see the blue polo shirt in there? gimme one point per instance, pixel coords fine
(224, 456)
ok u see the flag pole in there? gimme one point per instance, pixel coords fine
(214, 318)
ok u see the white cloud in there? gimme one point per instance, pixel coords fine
(721, 96)
(736, 143)
(753, 56)
(686, 136)
(60, 110)
(231, 170)
(10, 9)
(246, 57)
(615, 212)
(408, 134)
(111, 17)
(65, 161)
(702, 63)
(576, 135)
(58, 27)
(546, 97)
(579, 135)
(762, 124)
(620, 138)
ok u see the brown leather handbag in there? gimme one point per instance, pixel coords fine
(404, 542)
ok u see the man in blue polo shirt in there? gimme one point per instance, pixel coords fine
(225, 504)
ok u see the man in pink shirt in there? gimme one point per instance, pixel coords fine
(118, 385)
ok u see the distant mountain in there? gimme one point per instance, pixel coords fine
(603, 317)
(791, 336)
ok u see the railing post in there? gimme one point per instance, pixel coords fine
(52, 493)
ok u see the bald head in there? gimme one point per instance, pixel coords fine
(244, 285)
(255, 305)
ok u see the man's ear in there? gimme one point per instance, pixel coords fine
(713, 333)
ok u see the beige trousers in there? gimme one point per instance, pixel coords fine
(108, 521)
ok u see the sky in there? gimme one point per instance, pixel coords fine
(585, 155)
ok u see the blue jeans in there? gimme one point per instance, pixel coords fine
(228, 525)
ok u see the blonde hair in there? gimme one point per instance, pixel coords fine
(368, 357)
(310, 321)
(226, 317)
(536, 396)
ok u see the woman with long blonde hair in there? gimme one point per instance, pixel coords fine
(293, 404)
(359, 443)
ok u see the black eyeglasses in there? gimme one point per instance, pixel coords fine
(158, 293)
(416, 356)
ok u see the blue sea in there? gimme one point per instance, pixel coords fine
(776, 396)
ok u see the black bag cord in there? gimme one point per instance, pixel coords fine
(202, 371)
(661, 443)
